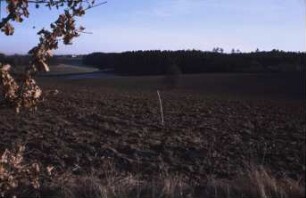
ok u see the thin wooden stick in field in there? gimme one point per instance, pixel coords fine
(161, 109)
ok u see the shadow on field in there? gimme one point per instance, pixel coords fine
(273, 85)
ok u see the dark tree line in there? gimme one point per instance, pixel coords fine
(192, 61)
(15, 60)
(3, 58)
(175, 62)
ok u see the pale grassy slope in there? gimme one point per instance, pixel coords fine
(70, 69)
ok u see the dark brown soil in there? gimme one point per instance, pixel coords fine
(207, 131)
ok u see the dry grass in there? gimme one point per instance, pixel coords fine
(27, 180)
(256, 182)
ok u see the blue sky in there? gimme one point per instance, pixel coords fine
(123, 25)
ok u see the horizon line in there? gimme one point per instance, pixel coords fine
(162, 50)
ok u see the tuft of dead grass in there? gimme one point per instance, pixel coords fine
(256, 182)
(30, 180)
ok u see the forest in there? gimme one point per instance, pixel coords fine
(157, 62)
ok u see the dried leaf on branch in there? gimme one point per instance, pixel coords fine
(26, 93)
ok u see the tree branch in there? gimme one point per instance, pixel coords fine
(47, 1)
(6, 20)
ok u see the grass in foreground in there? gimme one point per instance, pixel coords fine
(18, 179)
